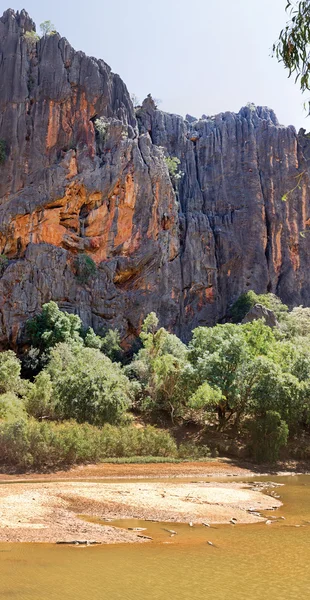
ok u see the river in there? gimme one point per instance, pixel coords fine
(246, 562)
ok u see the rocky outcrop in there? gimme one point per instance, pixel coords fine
(258, 311)
(185, 248)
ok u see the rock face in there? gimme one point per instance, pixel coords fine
(186, 246)
(258, 311)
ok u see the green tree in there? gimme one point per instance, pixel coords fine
(297, 322)
(150, 324)
(206, 397)
(10, 369)
(39, 400)
(111, 345)
(243, 305)
(269, 435)
(88, 386)
(53, 326)
(224, 357)
(47, 28)
(158, 368)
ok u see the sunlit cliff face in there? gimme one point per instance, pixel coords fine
(184, 248)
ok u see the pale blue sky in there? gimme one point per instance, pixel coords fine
(197, 56)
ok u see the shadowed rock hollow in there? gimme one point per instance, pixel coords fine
(185, 250)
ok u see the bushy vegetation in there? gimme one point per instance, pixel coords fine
(27, 443)
(87, 386)
(71, 400)
(101, 127)
(173, 164)
(246, 301)
(31, 37)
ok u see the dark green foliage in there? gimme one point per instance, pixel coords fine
(85, 268)
(109, 343)
(33, 360)
(53, 326)
(269, 435)
(3, 152)
(88, 386)
(40, 398)
(246, 301)
(292, 48)
(243, 305)
(157, 369)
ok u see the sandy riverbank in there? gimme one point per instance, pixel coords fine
(214, 468)
(49, 511)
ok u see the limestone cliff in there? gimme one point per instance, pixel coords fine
(185, 250)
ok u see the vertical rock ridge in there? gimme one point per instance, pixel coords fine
(185, 249)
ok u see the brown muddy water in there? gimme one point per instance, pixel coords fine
(246, 562)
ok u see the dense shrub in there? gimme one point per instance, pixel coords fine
(10, 368)
(109, 343)
(31, 444)
(52, 326)
(269, 435)
(40, 399)
(193, 451)
(243, 305)
(173, 164)
(158, 368)
(31, 37)
(88, 386)
(11, 407)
